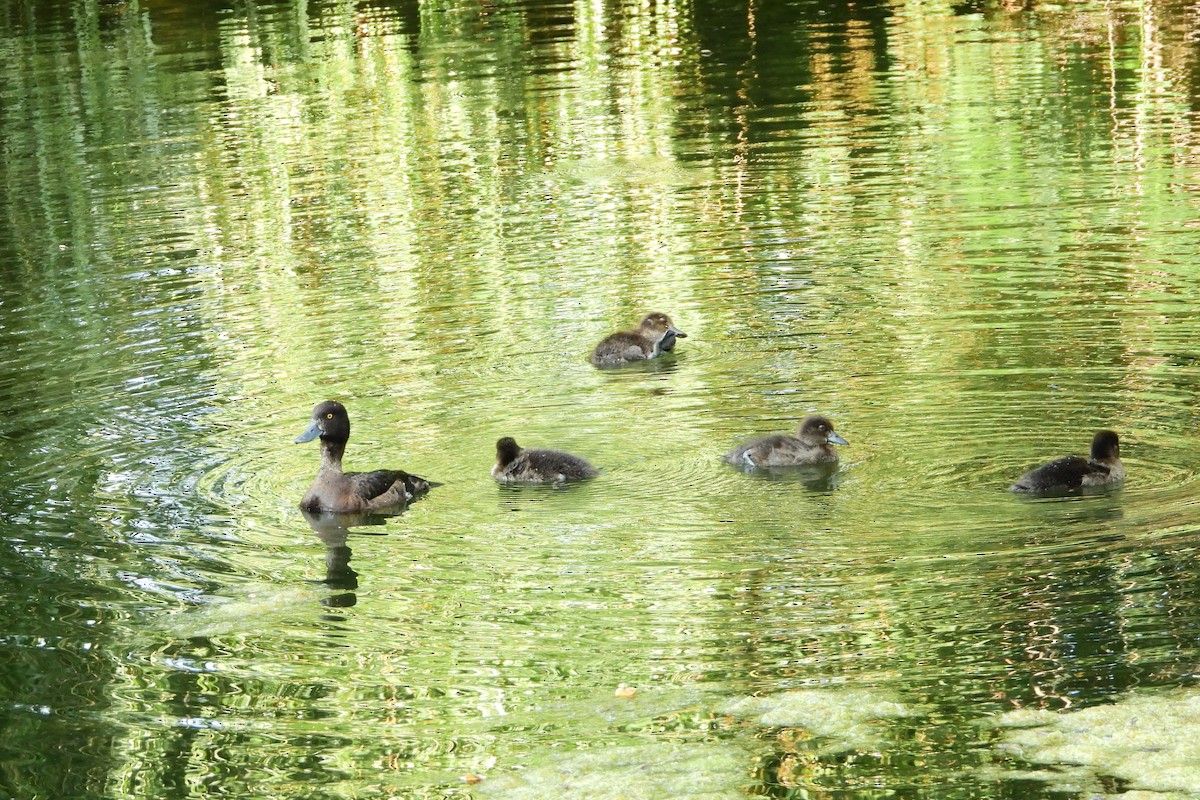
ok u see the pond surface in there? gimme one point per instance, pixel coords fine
(969, 234)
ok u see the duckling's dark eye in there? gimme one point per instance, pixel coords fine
(329, 416)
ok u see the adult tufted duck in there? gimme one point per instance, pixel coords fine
(345, 492)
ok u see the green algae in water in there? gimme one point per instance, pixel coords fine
(652, 771)
(1148, 741)
(848, 719)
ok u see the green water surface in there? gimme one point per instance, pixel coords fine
(967, 233)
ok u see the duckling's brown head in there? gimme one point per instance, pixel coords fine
(661, 323)
(1105, 445)
(658, 328)
(507, 451)
(817, 430)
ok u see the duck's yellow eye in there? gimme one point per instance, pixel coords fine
(329, 416)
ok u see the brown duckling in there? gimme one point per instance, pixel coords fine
(813, 444)
(654, 336)
(515, 464)
(1069, 473)
(347, 492)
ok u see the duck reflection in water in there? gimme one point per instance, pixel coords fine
(347, 492)
(1101, 469)
(813, 477)
(334, 532)
(655, 335)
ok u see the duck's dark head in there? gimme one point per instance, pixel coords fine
(1105, 445)
(329, 421)
(507, 451)
(818, 430)
(658, 327)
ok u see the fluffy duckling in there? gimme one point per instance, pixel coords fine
(347, 492)
(1101, 468)
(654, 336)
(812, 445)
(514, 464)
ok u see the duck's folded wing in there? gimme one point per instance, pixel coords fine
(622, 346)
(370, 485)
(757, 452)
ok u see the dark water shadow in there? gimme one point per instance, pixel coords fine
(1054, 516)
(1083, 491)
(663, 364)
(814, 477)
(558, 497)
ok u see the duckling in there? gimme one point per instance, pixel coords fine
(1103, 467)
(654, 336)
(812, 445)
(514, 464)
(347, 492)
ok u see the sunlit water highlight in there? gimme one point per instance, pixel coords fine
(968, 238)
